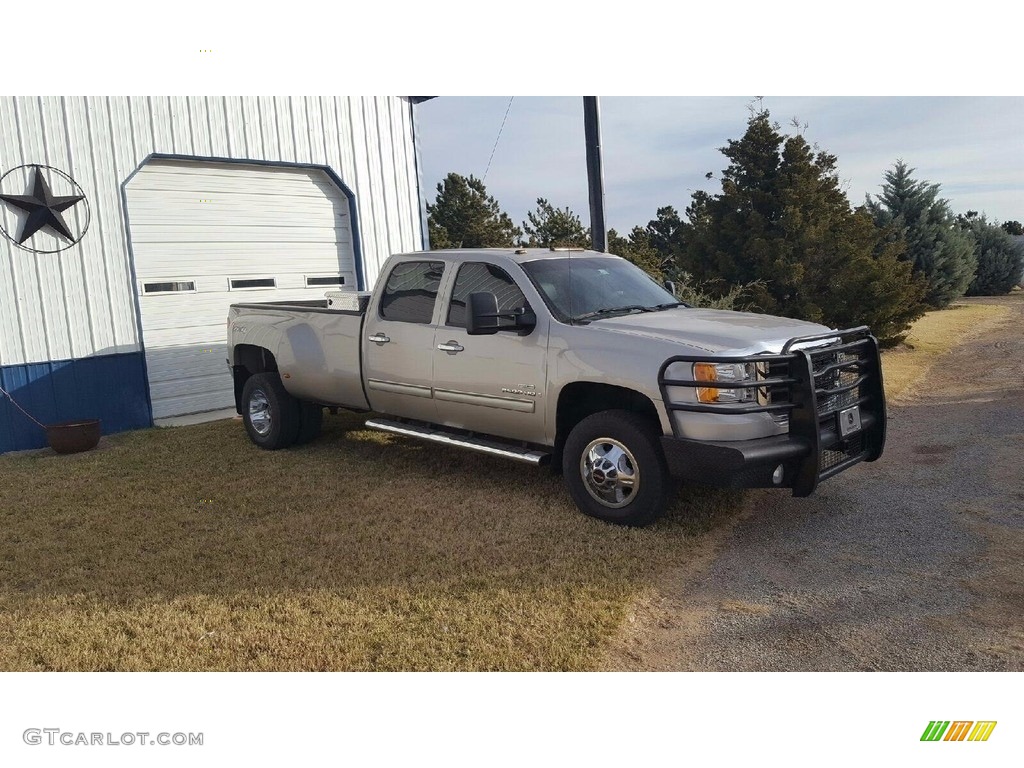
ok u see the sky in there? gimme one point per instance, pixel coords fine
(657, 150)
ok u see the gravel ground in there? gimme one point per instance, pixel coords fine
(914, 562)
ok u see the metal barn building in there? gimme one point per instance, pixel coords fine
(130, 224)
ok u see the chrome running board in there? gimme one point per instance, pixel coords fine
(436, 435)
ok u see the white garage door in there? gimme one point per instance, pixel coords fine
(206, 235)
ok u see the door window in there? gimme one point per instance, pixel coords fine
(411, 291)
(477, 277)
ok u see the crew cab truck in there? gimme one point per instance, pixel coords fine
(574, 358)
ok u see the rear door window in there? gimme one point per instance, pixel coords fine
(411, 291)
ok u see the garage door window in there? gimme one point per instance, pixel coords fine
(249, 283)
(411, 292)
(314, 280)
(169, 286)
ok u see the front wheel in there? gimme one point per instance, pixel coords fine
(615, 470)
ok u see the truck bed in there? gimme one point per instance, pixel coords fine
(316, 349)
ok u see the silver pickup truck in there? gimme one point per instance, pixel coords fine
(578, 359)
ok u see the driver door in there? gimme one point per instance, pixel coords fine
(493, 384)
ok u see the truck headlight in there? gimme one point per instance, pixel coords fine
(731, 372)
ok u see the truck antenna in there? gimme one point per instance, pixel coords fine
(568, 250)
(572, 315)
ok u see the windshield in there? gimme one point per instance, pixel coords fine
(600, 285)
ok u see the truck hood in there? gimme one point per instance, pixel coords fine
(712, 330)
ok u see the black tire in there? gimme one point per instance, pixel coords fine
(623, 442)
(311, 419)
(272, 417)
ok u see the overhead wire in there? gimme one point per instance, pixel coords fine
(495, 147)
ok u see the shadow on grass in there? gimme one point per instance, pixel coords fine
(190, 548)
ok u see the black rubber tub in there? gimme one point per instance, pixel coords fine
(74, 436)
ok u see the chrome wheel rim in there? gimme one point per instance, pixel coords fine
(259, 412)
(610, 472)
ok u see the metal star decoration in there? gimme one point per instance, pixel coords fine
(43, 208)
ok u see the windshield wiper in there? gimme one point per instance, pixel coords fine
(611, 310)
(630, 308)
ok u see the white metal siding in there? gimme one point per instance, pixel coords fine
(80, 302)
(208, 224)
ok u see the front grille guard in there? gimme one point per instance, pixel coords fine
(811, 386)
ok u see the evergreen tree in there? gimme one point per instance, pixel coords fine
(664, 234)
(782, 224)
(1000, 259)
(1013, 228)
(548, 226)
(966, 221)
(638, 250)
(463, 215)
(938, 250)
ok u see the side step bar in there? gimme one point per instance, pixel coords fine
(493, 447)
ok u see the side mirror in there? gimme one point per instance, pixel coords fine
(671, 288)
(526, 319)
(483, 317)
(481, 314)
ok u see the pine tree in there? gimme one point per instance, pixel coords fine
(463, 215)
(1000, 259)
(664, 234)
(638, 250)
(550, 227)
(938, 250)
(783, 224)
(731, 236)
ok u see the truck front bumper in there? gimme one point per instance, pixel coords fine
(768, 462)
(737, 464)
(818, 388)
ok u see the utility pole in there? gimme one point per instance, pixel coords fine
(595, 173)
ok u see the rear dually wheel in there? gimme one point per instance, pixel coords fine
(272, 417)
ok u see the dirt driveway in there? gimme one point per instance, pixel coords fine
(915, 562)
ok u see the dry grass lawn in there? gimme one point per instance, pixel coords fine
(932, 336)
(191, 549)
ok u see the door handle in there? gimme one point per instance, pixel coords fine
(451, 347)
(379, 338)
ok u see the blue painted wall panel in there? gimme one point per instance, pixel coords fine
(111, 388)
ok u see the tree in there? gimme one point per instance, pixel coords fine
(1013, 228)
(966, 221)
(548, 226)
(638, 250)
(1000, 259)
(783, 224)
(656, 247)
(664, 234)
(939, 251)
(463, 215)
